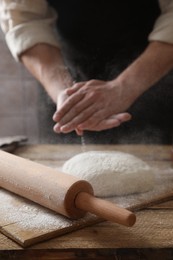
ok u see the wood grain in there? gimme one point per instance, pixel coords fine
(153, 229)
(63, 152)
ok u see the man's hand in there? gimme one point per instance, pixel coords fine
(98, 105)
(93, 105)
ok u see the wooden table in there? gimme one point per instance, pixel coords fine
(150, 238)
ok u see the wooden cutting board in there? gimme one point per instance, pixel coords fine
(27, 223)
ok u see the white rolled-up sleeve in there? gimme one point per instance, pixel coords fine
(26, 23)
(163, 27)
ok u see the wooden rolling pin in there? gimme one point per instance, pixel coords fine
(56, 190)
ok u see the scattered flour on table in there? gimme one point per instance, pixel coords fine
(111, 173)
(26, 215)
(31, 217)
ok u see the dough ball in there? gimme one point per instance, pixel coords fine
(111, 173)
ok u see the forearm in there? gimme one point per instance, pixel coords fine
(154, 63)
(46, 64)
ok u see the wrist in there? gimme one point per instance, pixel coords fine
(57, 80)
(58, 76)
(127, 90)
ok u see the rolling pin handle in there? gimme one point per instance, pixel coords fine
(105, 209)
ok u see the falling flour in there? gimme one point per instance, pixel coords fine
(83, 144)
(111, 173)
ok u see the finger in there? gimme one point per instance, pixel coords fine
(67, 105)
(83, 108)
(79, 132)
(54, 116)
(107, 124)
(123, 117)
(110, 122)
(93, 123)
(75, 87)
(80, 118)
(113, 121)
(103, 125)
(93, 120)
(56, 128)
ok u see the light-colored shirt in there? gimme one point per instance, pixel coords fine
(26, 23)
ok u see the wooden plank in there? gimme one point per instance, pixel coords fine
(153, 229)
(8, 244)
(164, 205)
(63, 152)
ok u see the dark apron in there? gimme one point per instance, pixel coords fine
(95, 33)
(99, 39)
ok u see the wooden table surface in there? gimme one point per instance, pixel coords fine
(151, 237)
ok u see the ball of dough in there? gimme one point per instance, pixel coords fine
(111, 173)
